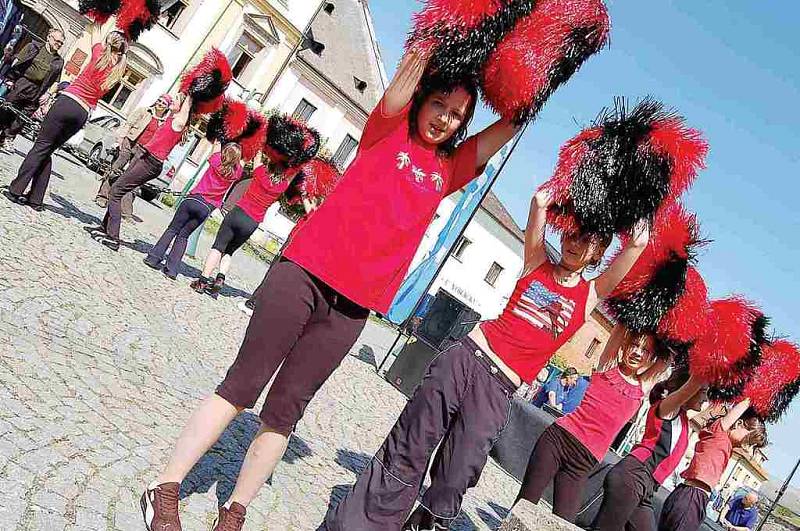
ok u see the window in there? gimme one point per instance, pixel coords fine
(346, 148)
(493, 274)
(120, 93)
(243, 54)
(304, 110)
(171, 11)
(461, 246)
(593, 346)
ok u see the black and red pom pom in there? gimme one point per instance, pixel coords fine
(137, 16)
(227, 123)
(777, 380)
(99, 10)
(541, 53)
(689, 318)
(207, 82)
(289, 140)
(616, 173)
(252, 137)
(320, 178)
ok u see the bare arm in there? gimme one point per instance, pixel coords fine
(735, 414)
(622, 264)
(654, 374)
(671, 405)
(182, 116)
(535, 250)
(493, 138)
(404, 83)
(610, 355)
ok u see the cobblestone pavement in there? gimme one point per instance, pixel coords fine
(101, 361)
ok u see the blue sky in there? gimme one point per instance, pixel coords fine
(731, 68)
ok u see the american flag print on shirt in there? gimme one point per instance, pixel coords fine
(545, 309)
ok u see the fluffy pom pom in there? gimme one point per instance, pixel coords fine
(690, 316)
(252, 138)
(612, 175)
(137, 16)
(541, 53)
(729, 350)
(291, 140)
(228, 123)
(207, 82)
(684, 147)
(460, 35)
(99, 10)
(777, 380)
(320, 178)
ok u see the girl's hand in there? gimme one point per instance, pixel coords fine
(640, 235)
(543, 198)
(405, 81)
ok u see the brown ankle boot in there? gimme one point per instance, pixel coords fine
(230, 519)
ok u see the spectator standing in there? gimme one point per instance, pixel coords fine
(138, 130)
(34, 70)
(555, 392)
(741, 513)
(575, 394)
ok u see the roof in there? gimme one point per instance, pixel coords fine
(351, 53)
(492, 205)
(755, 466)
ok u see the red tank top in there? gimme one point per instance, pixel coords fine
(88, 86)
(262, 193)
(659, 451)
(164, 139)
(540, 317)
(609, 403)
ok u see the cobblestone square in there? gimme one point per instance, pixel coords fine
(102, 360)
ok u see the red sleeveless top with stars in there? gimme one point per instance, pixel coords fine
(540, 317)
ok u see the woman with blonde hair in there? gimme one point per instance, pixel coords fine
(224, 169)
(69, 114)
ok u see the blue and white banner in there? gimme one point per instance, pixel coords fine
(421, 277)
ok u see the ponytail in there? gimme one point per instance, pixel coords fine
(230, 156)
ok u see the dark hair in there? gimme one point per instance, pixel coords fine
(664, 388)
(757, 438)
(427, 87)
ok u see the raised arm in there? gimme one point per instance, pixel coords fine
(653, 374)
(404, 83)
(535, 249)
(493, 138)
(672, 404)
(622, 264)
(609, 358)
(182, 116)
(734, 414)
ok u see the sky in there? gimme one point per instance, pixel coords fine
(732, 68)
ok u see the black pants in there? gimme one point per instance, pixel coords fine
(627, 498)
(127, 152)
(463, 402)
(684, 509)
(191, 213)
(25, 97)
(144, 169)
(235, 230)
(65, 118)
(301, 325)
(561, 458)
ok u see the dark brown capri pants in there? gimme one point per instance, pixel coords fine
(684, 509)
(302, 323)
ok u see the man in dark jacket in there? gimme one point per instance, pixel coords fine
(35, 69)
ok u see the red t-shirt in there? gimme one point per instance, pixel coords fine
(362, 239)
(540, 316)
(609, 403)
(148, 132)
(261, 193)
(213, 184)
(88, 86)
(711, 455)
(164, 139)
(661, 448)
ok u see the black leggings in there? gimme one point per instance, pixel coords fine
(66, 117)
(191, 213)
(560, 457)
(627, 493)
(236, 229)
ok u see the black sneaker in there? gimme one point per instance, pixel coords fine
(14, 198)
(422, 520)
(168, 274)
(151, 264)
(111, 243)
(215, 287)
(36, 208)
(200, 284)
(94, 229)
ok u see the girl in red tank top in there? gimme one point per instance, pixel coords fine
(629, 486)
(569, 449)
(465, 398)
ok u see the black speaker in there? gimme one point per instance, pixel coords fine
(408, 369)
(447, 320)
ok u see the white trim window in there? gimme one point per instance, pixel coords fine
(493, 274)
(461, 246)
(346, 149)
(171, 11)
(121, 93)
(304, 111)
(243, 54)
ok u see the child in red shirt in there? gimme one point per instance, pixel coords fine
(349, 256)
(685, 507)
(464, 400)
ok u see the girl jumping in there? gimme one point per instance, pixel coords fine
(350, 255)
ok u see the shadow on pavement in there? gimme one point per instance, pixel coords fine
(221, 464)
(367, 355)
(65, 208)
(355, 462)
(495, 518)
